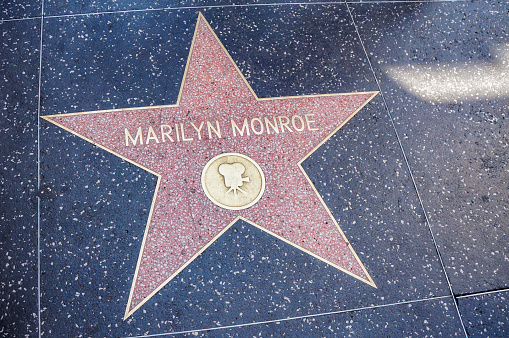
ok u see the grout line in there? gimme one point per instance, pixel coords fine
(39, 176)
(226, 6)
(296, 318)
(19, 19)
(193, 7)
(113, 12)
(481, 293)
(410, 172)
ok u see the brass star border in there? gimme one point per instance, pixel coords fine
(57, 120)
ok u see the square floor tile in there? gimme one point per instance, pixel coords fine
(96, 207)
(442, 68)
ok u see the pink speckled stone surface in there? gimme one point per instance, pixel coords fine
(184, 220)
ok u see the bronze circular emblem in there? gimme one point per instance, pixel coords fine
(233, 181)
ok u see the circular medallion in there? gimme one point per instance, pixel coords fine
(233, 181)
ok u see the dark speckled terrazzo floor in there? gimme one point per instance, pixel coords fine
(418, 179)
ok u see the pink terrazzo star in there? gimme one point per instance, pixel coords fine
(175, 142)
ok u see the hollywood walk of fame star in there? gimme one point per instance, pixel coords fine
(218, 113)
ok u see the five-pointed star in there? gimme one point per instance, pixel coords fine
(175, 143)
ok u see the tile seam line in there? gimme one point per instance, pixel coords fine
(222, 6)
(193, 7)
(482, 293)
(20, 19)
(297, 317)
(409, 171)
(39, 175)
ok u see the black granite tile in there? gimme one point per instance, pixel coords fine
(361, 175)
(12, 9)
(442, 69)
(294, 50)
(114, 60)
(485, 315)
(433, 318)
(19, 78)
(96, 205)
(93, 214)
